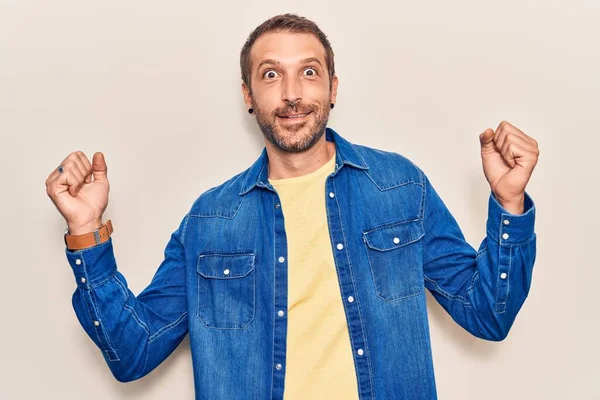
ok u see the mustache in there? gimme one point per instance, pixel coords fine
(297, 108)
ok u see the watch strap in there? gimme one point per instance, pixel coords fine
(97, 236)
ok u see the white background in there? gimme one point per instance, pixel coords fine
(156, 87)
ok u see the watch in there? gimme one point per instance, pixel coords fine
(97, 236)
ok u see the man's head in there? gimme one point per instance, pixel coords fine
(289, 80)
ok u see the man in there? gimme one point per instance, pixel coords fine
(303, 276)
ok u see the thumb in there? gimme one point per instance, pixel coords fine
(99, 167)
(486, 139)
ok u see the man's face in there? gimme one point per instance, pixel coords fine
(291, 93)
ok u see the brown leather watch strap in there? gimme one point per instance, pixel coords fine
(97, 236)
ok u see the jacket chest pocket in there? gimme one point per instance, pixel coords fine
(395, 258)
(226, 290)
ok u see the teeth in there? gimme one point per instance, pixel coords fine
(296, 116)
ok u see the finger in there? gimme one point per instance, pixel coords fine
(76, 162)
(513, 138)
(515, 155)
(500, 135)
(55, 173)
(99, 168)
(486, 139)
(87, 165)
(67, 181)
(75, 171)
(524, 136)
(505, 129)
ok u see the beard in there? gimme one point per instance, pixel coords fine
(293, 138)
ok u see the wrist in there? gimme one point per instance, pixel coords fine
(86, 228)
(515, 205)
(97, 235)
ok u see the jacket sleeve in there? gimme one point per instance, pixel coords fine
(134, 333)
(482, 290)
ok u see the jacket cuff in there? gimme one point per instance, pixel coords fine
(507, 228)
(93, 265)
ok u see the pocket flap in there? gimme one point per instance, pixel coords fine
(225, 265)
(394, 235)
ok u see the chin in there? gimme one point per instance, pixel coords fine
(296, 141)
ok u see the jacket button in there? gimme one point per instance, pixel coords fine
(340, 246)
(396, 240)
(278, 366)
(360, 352)
(277, 205)
(505, 236)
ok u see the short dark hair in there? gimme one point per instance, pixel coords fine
(286, 23)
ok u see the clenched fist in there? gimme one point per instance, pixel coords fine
(509, 157)
(80, 191)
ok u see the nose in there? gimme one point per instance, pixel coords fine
(292, 91)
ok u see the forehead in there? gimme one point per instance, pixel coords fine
(286, 47)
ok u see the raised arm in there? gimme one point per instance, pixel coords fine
(134, 333)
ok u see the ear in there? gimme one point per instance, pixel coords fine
(334, 86)
(247, 95)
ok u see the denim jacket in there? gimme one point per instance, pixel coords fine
(224, 279)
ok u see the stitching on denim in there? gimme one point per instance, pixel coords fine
(273, 304)
(357, 152)
(136, 318)
(182, 236)
(121, 287)
(482, 251)
(498, 282)
(508, 275)
(423, 193)
(220, 215)
(103, 281)
(167, 327)
(101, 327)
(253, 306)
(390, 224)
(356, 300)
(357, 305)
(374, 280)
(474, 279)
(446, 294)
(383, 189)
(102, 339)
(237, 253)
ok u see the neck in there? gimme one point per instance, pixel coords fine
(289, 165)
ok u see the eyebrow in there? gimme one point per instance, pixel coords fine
(304, 61)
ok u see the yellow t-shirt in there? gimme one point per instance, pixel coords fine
(319, 362)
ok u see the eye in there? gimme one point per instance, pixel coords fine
(310, 72)
(270, 74)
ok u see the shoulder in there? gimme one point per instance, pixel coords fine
(222, 200)
(389, 169)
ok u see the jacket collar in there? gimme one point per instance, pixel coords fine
(345, 154)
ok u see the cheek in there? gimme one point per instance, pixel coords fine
(267, 98)
(316, 93)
